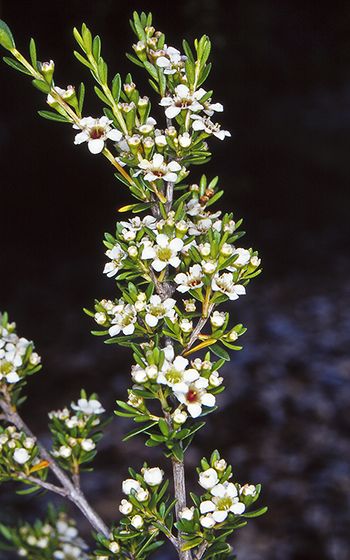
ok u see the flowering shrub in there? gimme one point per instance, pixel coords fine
(174, 264)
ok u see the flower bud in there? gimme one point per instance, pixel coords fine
(137, 522)
(100, 318)
(140, 50)
(186, 325)
(232, 336)
(142, 495)
(215, 380)
(47, 70)
(125, 507)
(226, 250)
(114, 547)
(220, 465)
(180, 416)
(21, 456)
(153, 476)
(208, 479)
(185, 140)
(204, 249)
(132, 251)
(218, 319)
(190, 305)
(209, 267)
(187, 513)
(152, 372)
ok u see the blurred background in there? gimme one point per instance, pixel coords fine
(282, 71)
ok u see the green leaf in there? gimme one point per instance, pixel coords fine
(116, 87)
(192, 543)
(81, 97)
(137, 431)
(16, 65)
(32, 52)
(256, 513)
(81, 59)
(51, 116)
(151, 70)
(6, 38)
(41, 86)
(220, 352)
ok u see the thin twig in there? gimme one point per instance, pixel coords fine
(198, 328)
(201, 550)
(75, 495)
(46, 485)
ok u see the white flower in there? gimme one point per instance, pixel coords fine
(217, 319)
(29, 443)
(164, 252)
(12, 377)
(64, 93)
(195, 396)
(136, 224)
(186, 325)
(204, 123)
(142, 495)
(158, 309)
(191, 280)
(65, 451)
(153, 476)
(183, 99)
(21, 456)
(117, 255)
(87, 445)
(201, 227)
(137, 522)
(158, 169)
(91, 406)
(248, 490)
(209, 108)
(124, 319)
(180, 416)
(185, 140)
(187, 513)
(170, 60)
(34, 359)
(208, 479)
(175, 375)
(220, 465)
(190, 305)
(95, 132)
(226, 285)
(224, 501)
(125, 507)
(215, 380)
(129, 485)
(114, 547)
(242, 259)
(207, 521)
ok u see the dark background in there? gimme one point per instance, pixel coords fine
(282, 70)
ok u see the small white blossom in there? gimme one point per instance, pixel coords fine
(114, 547)
(124, 319)
(180, 416)
(158, 309)
(183, 99)
(208, 478)
(95, 132)
(186, 325)
(248, 490)
(87, 445)
(218, 319)
(64, 451)
(153, 476)
(195, 396)
(129, 485)
(171, 60)
(225, 500)
(215, 380)
(185, 140)
(175, 375)
(21, 456)
(226, 285)
(205, 124)
(187, 513)
(191, 280)
(207, 521)
(91, 406)
(163, 252)
(117, 255)
(125, 507)
(137, 522)
(220, 465)
(157, 169)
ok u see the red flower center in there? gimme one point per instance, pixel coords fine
(96, 132)
(191, 396)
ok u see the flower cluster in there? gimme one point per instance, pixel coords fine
(19, 455)
(141, 515)
(75, 432)
(17, 356)
(55, 537)
(223, 499)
